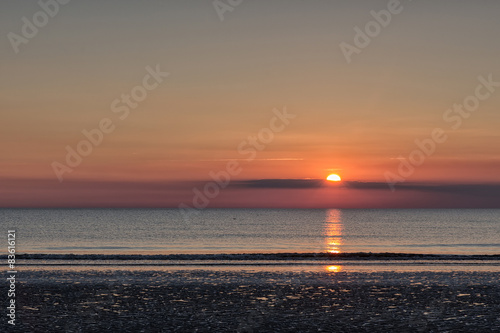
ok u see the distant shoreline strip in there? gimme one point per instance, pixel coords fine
(257, 256)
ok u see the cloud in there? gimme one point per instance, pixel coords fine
(461, 189)
(280, 183)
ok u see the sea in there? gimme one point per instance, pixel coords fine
(166, 237)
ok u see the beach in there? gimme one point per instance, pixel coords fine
(246, 300)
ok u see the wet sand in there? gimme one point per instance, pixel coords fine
(246, 301)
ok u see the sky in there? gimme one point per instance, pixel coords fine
(400, 98)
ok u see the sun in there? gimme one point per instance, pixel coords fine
(334, 178)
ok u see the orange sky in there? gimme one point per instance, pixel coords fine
(225, 78)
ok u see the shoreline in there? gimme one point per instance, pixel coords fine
(257, 256)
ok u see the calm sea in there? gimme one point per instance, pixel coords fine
(165, 231)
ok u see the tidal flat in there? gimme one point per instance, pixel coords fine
(247, 301)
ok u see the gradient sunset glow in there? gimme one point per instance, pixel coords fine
(179, 107)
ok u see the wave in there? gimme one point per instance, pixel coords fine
(257, 256)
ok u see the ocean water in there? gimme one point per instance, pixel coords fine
(215, 231)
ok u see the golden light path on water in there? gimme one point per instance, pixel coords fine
(333, 230)
(333, 233)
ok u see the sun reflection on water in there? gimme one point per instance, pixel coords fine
(333, 230)
(333, 268)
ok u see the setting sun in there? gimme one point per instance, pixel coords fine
(333, 178)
